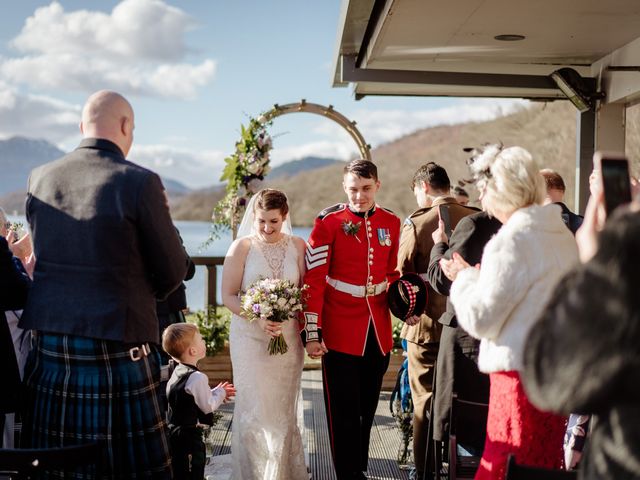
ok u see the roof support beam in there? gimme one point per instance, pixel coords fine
(601, 130)
(622, 83)
(585, 147)
(350, 73)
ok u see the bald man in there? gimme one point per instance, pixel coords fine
(105, 249)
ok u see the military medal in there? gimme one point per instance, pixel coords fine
(384, 237)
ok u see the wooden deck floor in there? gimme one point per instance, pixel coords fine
(385, 436)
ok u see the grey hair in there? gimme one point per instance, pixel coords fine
(513, 180)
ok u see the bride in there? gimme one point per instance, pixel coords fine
(266, 441)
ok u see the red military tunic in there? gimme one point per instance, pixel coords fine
(363, 259)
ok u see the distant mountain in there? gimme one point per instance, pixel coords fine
(197, 205)
(174, 187)
(294, 167)
(547, 130)
(20, 155)
(13, 203)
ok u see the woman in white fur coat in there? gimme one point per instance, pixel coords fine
(500, 300)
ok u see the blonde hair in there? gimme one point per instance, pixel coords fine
(513, 181)
(177, 338)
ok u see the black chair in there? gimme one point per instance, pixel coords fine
(467, 427)
(25, 463)
(521, 472)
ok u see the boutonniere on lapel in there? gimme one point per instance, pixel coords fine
(350, 228)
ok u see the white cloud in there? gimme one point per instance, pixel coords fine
(36, 116)
(135, 29)
(195, 169)
(138, 48)
(182, 79)
(66, 72)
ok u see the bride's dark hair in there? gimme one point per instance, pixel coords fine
(272, 199)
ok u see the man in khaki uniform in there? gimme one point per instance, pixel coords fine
(431, 186)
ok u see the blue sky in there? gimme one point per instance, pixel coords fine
(194, 70)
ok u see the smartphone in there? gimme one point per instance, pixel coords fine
(616, 184)
(443, 211)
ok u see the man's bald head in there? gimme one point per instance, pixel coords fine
(108, 115)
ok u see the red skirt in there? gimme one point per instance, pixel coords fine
(514, 426)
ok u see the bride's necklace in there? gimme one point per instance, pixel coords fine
(274, 254)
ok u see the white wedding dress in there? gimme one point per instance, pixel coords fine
(266, 441)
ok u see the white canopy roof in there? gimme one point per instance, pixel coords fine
(449, 48)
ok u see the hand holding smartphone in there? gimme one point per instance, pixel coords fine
(443, 212)
(614, 178)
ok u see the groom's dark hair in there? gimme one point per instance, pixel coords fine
(362, 168)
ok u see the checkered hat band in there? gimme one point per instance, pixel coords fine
(412, 297)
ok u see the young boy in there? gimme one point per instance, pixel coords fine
(191, 402)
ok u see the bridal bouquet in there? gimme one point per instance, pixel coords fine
(276, 300)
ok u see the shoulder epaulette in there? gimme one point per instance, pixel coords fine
(420, 211)
(338, 207)
(388, 211)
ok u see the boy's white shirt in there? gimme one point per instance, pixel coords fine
(207, 399)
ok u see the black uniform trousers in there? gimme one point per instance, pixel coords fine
(457, 371)
(351, 391)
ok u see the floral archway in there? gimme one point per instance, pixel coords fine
(249, 164)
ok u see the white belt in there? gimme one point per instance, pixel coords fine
(358, 290)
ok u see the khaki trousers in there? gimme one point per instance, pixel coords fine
(421, 361)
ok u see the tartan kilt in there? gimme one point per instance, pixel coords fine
(81, 390)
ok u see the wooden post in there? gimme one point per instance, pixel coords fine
(211, 282)
(210, 278)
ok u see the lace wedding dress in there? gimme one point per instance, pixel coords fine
(266, 441)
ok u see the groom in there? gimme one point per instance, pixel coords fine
(351, 257)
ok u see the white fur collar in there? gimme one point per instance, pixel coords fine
(538, 217)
